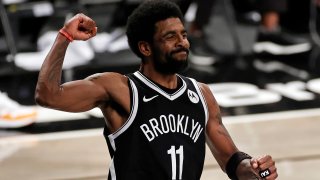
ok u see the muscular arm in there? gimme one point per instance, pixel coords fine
(73, 96)
(220, 142)
(218, 138)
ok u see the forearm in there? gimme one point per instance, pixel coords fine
(49, 79)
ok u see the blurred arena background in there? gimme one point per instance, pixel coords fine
(269, 98)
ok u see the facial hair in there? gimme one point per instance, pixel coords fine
(169, 65)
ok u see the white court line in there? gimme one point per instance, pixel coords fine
(286, 115)
(35, 138)
(11, 145)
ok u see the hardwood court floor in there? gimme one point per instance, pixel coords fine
(292, 138)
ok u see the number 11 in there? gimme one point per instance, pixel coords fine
(173, 152)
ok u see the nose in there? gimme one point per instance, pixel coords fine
(183, 41)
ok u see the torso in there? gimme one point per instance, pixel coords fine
(163, 135)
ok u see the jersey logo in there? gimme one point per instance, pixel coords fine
(148, 99)
(193, 96)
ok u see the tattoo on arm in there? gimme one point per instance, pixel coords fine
(54, 74)
(218, 117)
(222, 131)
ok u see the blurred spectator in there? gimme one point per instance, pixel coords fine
(272, 38)
(202, 52)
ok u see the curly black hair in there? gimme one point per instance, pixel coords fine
(141, 23)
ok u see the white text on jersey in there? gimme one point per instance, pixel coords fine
(172, 124)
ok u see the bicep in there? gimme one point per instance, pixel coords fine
(79, 95)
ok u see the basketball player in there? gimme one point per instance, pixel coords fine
(157, 121)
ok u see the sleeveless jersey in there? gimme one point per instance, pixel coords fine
(164, 136)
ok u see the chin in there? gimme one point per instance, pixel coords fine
(182, 59)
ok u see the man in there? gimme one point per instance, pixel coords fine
(157, 121)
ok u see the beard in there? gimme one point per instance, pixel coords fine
(170, 64)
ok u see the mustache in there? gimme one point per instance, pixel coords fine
(180, 49)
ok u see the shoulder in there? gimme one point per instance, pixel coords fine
(108, 77)
(209, 96)
(204, 88)
(109, 80)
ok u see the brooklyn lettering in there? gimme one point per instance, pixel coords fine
(172, 124)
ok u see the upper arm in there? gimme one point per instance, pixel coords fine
(83, 95)
(217, 136)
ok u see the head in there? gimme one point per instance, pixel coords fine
(156, 32)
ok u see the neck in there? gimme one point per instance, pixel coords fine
(166, 80)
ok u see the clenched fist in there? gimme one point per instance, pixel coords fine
(80, 27)
(264, 167)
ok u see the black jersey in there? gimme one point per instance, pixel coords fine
(164, 136)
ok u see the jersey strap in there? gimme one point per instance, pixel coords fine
(133, 113)
(203, 99)
(153, 86)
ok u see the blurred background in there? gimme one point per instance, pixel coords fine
(261, 59)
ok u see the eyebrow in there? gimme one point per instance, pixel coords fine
(173, 32)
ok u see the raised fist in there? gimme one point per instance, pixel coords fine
(80, 27)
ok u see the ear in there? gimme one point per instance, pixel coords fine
(144, 48)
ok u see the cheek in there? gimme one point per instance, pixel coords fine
(158, 54)
(167, 47)
(163, 50)
(187, 44)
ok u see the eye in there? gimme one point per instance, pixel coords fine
(169, 36)
(185, 35)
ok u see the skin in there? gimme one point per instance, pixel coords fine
(110, 92)
(270, 20)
